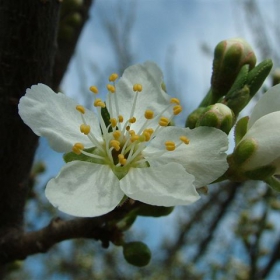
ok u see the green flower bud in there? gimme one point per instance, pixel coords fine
(217, 115)
(137, 253)
(193, 117)
(229, 56)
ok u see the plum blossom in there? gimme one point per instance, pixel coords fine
(125, 148)
(264, 130)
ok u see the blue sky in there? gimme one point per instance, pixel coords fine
(160, 27)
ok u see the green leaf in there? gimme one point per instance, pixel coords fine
(257, 76)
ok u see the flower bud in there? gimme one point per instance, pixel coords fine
(137, 253)
(193, 117)
(217, 115)
(229, 56)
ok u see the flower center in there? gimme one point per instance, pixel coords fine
(122, 146)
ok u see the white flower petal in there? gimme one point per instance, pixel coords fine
(269, 102)
(84, 189)
(55, 117)
(166, 185)
(152, 96)
(266, 132)
(204, 157)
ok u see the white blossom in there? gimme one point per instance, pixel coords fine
(137, 155)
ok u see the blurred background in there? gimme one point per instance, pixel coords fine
(233, 231)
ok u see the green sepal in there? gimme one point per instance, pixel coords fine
(106, 118)
(244, 151)
(194, 116)
(274, 183)
(240, 80)
(137, 253)
(240, 129)
(209, 118)
(68, 157)
(257, 76)
(153, 211)
(260, 173)
(239, 94)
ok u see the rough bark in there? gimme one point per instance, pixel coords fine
(27, 49)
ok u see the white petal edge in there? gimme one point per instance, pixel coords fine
(151, 97)
(166, 185)
(204, 157)
(84, 189)
(266, 132)
(268, 103)
(55, 117)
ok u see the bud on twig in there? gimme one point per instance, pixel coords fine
(229, 56)
(217, 115)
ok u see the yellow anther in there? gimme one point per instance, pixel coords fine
(96, 101)
(111, 88)
(150, 130)
(77, 148)
(117, 134)
(147, 135)
(127, 128)
(132, 120)
(99, 103)
(184, 139)
(113, 77)
(177, 109)
(175, 101)
(131, 132)
(85, 129)
(134, 138)
(93, 89)
(115, 144)
(120, 118)
(163, 121)
(170, 145)
(81, 109)
(122, 159)
(149, 114)
(137, 87)
(113, 122)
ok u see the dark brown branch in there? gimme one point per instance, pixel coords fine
(23, 245)
(67, 40)
(27, 50)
